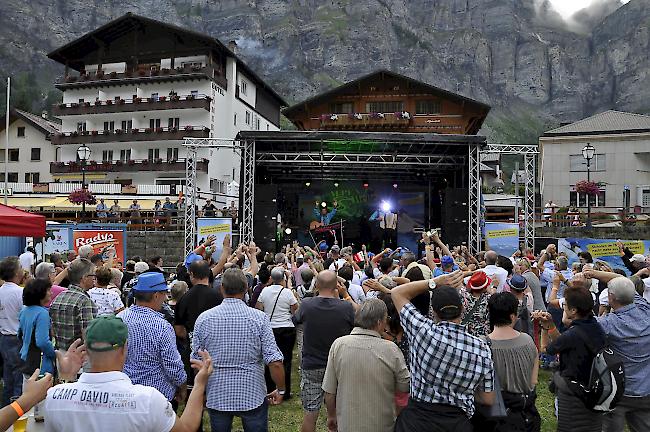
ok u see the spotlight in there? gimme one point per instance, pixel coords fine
(385, 206)
(394, 185)
(336, 185)
(323, 204)
(365, 184)
(307, 184)
(287, 231)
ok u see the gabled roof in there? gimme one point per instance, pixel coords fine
(351, 84)
(44, 125)
(604, 123)
(128, 22)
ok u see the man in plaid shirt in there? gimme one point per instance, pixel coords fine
(449, 367)
(72, 310)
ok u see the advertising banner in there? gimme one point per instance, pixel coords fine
(101, 241)
(57, 239)
(601, 249)
(217, 227)
(503, 238)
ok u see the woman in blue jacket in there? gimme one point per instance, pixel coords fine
(37, 350)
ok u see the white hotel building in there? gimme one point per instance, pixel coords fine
(133, 88)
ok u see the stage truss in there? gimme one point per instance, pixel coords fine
(245, 148)
(529, 152)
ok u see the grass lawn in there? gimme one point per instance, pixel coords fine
(288, 416)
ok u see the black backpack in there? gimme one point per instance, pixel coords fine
(606, 380)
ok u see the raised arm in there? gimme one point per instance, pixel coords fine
(404, 293)
(439, 242)
(225, 254)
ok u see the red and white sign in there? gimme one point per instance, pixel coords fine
(101, 241)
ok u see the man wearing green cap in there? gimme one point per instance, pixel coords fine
(106, 396)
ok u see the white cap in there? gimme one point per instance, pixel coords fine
(299, 256)
(141, 267)
(637, 258)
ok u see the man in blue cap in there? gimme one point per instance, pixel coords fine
(519, 287)
(447, 265)
(153, 359)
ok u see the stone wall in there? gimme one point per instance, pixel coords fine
(146, 244)
(638, 232)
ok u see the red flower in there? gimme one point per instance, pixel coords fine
(81, 196)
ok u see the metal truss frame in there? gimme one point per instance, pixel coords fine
(358, 158)
(474, 203)
(193, 145)
(529, 152)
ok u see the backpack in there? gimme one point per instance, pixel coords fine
(606, 380)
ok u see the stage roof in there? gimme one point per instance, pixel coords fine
(336, 155)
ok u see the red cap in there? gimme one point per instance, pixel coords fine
(478, 281)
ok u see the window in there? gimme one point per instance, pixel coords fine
(385, 107)
(14, 155)
(21, 131)
(580, 200)
(248, 117)
(107, 155)
(235, 119)
(427, 107)
(12, 177)
(109, 126)
(125, 155)
(172, 153)
(243, 87)
(218, 186)
(577, 163)
(81, 127)
(127, 125)
(36, 154)
(645, 198)
(257, 123)
(154, 154)
(32, 177)
(342, 108)
(154, 123)
(173, 122)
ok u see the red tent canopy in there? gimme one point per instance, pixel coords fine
(18, 223)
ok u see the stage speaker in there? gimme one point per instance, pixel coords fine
(265, 216)
(455, 214)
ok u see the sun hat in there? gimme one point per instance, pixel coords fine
(151, 282)
(478, 281)
(106, 333)
(518, 283)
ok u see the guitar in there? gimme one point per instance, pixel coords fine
(315, 224)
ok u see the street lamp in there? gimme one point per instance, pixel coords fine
(83, 153)
(588, 153)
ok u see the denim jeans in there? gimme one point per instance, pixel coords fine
(635, 411)
(11, 375)
(255, 420)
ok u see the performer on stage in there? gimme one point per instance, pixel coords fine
(388, 224)
(322, 217)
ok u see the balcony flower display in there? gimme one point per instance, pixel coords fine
(98, 102)
(145, 162)
(403, 115)
(118, 131)
(95, 132)
(121, 101)
(159, 130)
(93, 163)
(137, 100)
(158, 160)
(165, 71)
(376, 115)
(86, 104)
(113, 74)
(80, 196)
(148, 130)
(119, 162)
(587, 187)
(355, 116)
(131, 162)
(109, 102)
(162, 98)
(135, 131)
(189, 128)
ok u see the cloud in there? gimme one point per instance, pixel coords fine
(582, 21)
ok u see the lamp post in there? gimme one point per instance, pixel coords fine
(83, 153)
(588, 153)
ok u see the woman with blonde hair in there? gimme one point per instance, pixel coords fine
(525, 268)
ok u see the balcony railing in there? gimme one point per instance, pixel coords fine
(365, 120)
(96, 188)
(134, 104)
(140, 73)
(135, 134)
(126, 166)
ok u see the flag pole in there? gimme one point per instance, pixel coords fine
(7, 139)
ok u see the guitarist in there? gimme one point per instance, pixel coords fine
(322, 216)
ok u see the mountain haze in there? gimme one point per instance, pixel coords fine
(520, 56)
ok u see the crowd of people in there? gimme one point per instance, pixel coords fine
(387, 342)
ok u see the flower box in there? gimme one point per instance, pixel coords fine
(190, 97)
(107, 132)
(196, 68)
(377, 115)
(165, 71)
(100, 74)
(162, 98)
(113, 74)
(98, 103)
(158, 161)
(81, 196)
(148, 130)
(74, 134)
(74, 105)
(62, 105)
(84, 133)
(119, 163)
(137, 100)
(587, 187)
(142, 73)
(121, 101)
(86, 104)
(131, 162)
(159, 130)
(172, 129)
(118, 131)
(109, 102)
(135, 131)
(95, 133)
(93, 163)
(40, 188)
(150, 100)
(175, 97)
(189, 128)
(129, 189)
(145, 162)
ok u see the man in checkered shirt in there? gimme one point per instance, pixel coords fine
(449, 367)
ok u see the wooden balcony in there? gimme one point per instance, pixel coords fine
(363, 121)
(137, 75)
(133, 105)
(135, 134)
(126, 166)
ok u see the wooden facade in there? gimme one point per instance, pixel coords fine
(389, 102)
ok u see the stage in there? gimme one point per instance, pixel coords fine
(424, 177)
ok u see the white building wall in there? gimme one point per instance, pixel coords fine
(33, 138)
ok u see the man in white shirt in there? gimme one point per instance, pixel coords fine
(11, 302)
(494, 272)
(27, 259)
(338, 260)
(106, 396)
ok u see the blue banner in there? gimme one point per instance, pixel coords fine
(217, 227)
(503, 238)
(601, 249)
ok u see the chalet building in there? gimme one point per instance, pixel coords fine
(135, 87)
(389, 102)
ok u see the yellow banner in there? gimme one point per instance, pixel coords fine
(510, 232)
(610, 249)
(214, 229)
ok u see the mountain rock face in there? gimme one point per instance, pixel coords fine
(516, 55)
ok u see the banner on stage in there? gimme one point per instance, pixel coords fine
(601, 249)
(503, 238)
(101, 241)
(218, 227)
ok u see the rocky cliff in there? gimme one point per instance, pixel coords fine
(516, 55)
